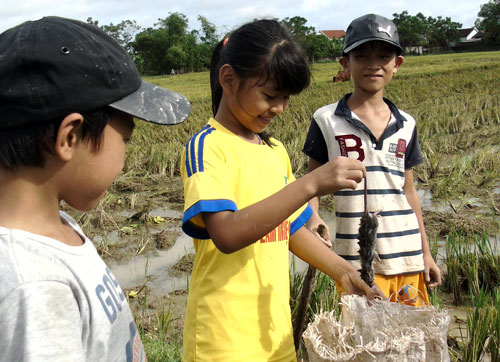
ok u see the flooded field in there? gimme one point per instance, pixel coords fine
(158, 269)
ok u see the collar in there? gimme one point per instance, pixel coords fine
(343, 110)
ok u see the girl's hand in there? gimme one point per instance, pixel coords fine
(353, 284)
(339, 173)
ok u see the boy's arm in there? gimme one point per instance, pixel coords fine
(432, 273)
(315, 220)
(310, 249)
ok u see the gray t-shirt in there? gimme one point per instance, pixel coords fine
(61, 302)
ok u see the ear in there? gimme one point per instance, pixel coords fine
(228, 79)
(399, 61)
(344, 62)
(68, 136)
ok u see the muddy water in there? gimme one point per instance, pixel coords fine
(156, 270)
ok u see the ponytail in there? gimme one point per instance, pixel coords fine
(215, 86)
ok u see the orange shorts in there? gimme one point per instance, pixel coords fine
(407, 289)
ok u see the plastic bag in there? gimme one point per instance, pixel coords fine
(384, 331)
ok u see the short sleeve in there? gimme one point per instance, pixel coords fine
(41, 322)
(207, 187)
(315, 145)
(413, 154)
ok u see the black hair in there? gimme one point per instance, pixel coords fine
(263, 49)
(27, 146)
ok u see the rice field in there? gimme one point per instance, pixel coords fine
(455, 99)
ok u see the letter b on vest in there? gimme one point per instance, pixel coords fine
(354, 146)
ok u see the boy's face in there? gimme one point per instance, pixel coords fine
(372, 65)
(96, 171)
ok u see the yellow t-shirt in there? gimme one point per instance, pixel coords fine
(238, 304)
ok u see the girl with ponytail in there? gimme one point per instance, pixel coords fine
(244, 208)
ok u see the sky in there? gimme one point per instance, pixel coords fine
(228, 14)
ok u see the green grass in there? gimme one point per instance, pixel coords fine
(455, 99)
(472, 264)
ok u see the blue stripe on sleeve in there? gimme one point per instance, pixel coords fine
(190, 154)
(301, 220)
(194, 231)
(188, 168)
(200, 148)
(204, 206)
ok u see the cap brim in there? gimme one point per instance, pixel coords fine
(155, 104)
(362, 41)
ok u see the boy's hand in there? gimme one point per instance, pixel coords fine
(339, 173)
(432, 273)
(319, 229)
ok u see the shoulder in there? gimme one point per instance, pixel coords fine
(27, 258)
(407, 116)
(202, 144)
(277, 144)
(399, 113)
(327, 111)
(206, 134)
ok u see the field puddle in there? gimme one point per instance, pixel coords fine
(156, 269)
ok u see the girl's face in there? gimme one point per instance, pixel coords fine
(256, 104)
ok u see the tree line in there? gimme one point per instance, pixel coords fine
(170, 47)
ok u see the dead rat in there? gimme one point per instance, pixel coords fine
(367, 237)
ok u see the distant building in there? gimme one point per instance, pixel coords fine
(333, 34)
(470, 35)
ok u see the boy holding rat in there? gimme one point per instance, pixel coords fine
(368, 127)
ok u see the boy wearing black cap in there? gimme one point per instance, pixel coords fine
(366, 126)
(68, 95)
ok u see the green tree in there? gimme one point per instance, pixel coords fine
(123, 33)
(442, 32)
(421, 31)
(151, 46)
(411, 29)
(176, 25)
(208, 32)
(298, 28)
(90, 20)
(169, 45)
(489, 22)
(318, 47)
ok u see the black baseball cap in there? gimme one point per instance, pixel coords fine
(368, 28)
(54, 66)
